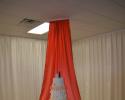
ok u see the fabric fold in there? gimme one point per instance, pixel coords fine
(59, 59)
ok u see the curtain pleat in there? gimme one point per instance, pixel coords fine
(6, 86)
(116, 79)
(123, 67)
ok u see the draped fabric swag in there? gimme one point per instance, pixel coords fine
(59, 60)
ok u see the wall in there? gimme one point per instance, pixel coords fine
(21, 68)
(99, 63)
(100, 66)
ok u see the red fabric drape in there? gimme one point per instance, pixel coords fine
(59, 59)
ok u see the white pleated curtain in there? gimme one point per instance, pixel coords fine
(99, 65)
(21, 68)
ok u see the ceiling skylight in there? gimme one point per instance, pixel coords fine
(41, 29)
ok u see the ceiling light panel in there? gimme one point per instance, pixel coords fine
(41, 29)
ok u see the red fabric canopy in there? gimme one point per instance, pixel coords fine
(59, 59)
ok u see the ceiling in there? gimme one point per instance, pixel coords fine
(87, 17)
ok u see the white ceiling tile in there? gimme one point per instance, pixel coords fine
(88, 17)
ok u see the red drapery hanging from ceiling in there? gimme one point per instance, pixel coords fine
(59, 59)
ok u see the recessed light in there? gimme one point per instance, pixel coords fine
(41, 29)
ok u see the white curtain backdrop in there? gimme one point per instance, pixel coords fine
(99, 64)
(21, 68)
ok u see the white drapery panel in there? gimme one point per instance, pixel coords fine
(21, 68)
(100, 66)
